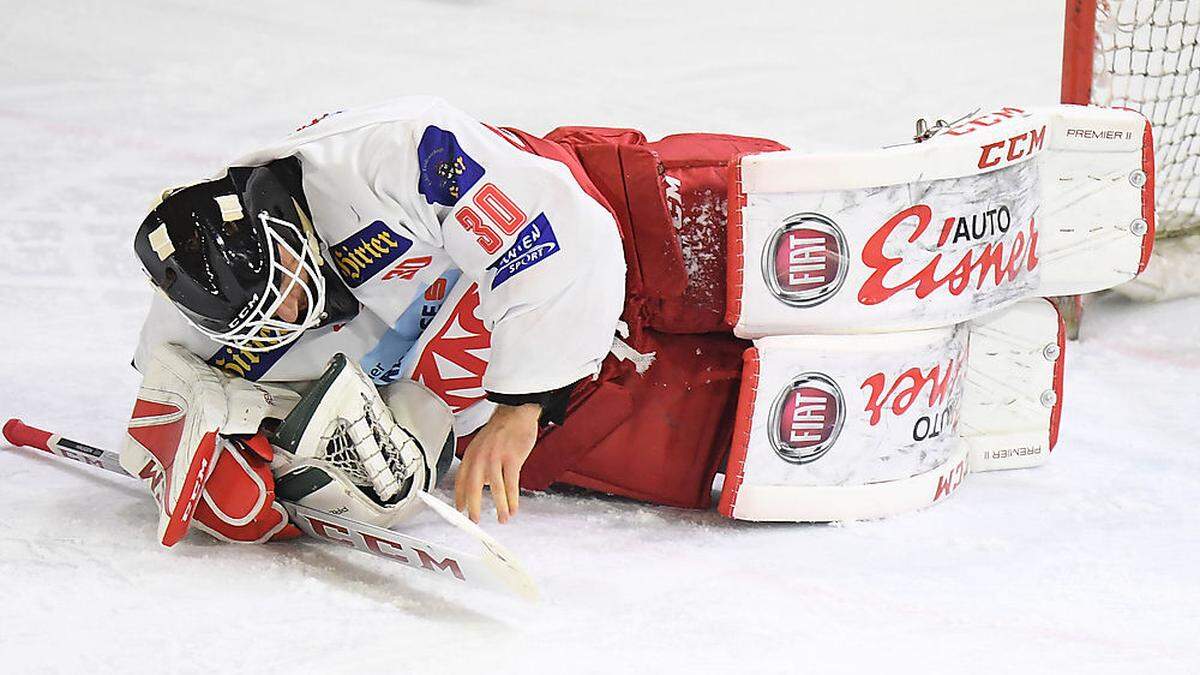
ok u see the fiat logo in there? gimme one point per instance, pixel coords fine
(806, 418)
(805, 261)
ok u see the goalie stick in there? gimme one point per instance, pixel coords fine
(496, 568)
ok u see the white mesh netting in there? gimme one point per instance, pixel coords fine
(340, 451)
(1148, 59)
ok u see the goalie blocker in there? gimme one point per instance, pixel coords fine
(197, 438)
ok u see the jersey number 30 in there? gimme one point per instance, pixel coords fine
(501, 213)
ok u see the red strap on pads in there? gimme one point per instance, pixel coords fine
(238, 502)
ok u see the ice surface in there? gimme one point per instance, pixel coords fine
(1085, 565)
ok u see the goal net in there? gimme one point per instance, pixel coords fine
(1145, 55)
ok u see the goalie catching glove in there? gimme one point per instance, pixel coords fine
(195, 437)
(347, 452)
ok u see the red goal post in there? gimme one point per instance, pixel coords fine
(1079, 45)
(1145, 55)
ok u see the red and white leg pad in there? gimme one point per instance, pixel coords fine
(1008, 205)
(847, 427)
(866, 426)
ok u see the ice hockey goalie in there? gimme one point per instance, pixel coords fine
(584, 303)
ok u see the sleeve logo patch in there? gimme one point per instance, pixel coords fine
(447, 171)
(534, 244)
(247, 364)
(367, 252)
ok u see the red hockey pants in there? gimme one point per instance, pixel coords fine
(662, 435)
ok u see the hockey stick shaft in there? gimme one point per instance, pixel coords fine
(496, 569)
(21, 434)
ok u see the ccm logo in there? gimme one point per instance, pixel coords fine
(1012, 149)
(804, 263)
(806, 418)
(949, 481)
(376, 544)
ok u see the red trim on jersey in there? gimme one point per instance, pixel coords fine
(512, 140)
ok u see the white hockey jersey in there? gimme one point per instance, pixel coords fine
(412, 197)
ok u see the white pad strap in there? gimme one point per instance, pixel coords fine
(625, 352)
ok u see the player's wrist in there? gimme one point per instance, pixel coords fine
(525, 413)
(553, 403)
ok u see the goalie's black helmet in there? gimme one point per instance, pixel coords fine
(228, 251)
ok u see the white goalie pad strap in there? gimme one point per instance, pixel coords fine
(1012, 400)
(1005, 206)
(858, 426)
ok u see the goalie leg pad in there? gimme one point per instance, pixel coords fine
(1009, 205)
(852, 427)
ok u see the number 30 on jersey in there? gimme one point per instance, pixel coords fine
(499, 215)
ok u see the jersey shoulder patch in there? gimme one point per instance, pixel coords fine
(367, 252)
(447, 172)
(534, 244)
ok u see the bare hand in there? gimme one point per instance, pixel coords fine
(494, 458)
